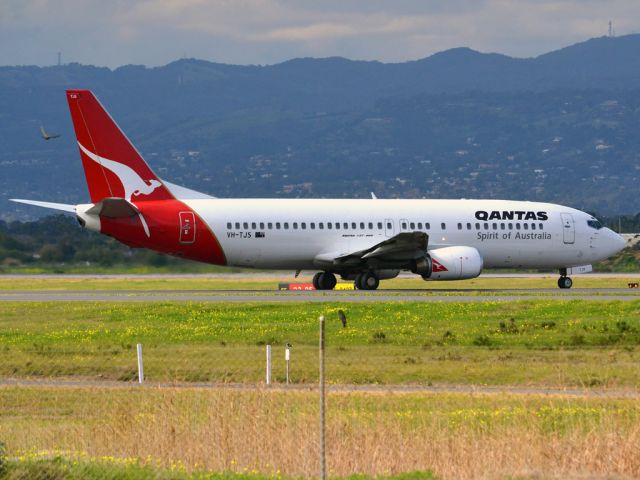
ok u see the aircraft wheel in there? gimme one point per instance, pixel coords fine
(565, 282)
(369, 281)
(326, 281)
(316, 280)
(356, 281)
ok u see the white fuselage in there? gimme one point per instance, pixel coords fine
(293, 233)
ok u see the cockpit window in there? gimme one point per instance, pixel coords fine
(593, 223)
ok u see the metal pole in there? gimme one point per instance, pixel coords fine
(140, 366)
(323, 460)
(287, 356)
(268, 364)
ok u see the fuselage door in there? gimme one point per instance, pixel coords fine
(187, 227)
(388, 227)
(568, 228)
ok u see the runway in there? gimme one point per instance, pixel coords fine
(262, 296)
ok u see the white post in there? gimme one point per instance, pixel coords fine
(268, 364)
(323, 458)
(140, 366)
(287, 357)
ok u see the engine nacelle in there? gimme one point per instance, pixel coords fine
(423, 266)
(455, 263)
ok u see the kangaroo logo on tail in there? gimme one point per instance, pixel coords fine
(132, 182)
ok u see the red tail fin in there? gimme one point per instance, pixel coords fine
(112, 165)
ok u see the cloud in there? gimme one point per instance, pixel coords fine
(154, 32)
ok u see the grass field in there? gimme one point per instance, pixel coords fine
(270, 282)
(117, 430)
(275, 433)
(534, 342)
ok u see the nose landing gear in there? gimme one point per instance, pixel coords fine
(564, 281)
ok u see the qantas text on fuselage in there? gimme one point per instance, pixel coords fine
(360, 240)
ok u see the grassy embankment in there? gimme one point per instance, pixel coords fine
(535, 342)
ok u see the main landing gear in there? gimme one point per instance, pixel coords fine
(324, 281)
(564, 281)
(367, 281)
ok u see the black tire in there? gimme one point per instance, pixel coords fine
(316, 280)
(327, 281)
(369, 281)
(357, 281)
(565, 282)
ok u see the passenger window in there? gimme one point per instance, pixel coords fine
(337, 225)
(261, 225)
(533, 226)
(495, 226)
(295, 225)
(486, 226)
(303, 225)
(459, 226)
(361, 225)
(541, 225)
(511, 226)
(228, 225)
(517, 226)
(321, 226)
(526, 226)
(329, 225)
(443, 226)
(245, 225)
(379, 225)
(427, 226)
(404, 226)
(277, 225)
(419, 225)
(370, 225)
(346, 226)
(389, 225)
(253, 225)
(468, 226)
(237, 225)
(477, 226)
(502, 226)
(269, 225)
(286, 225)
(312, 225)
(353, 225)
(412, 226)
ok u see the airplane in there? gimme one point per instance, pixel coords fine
(47, 136)
(361, 240)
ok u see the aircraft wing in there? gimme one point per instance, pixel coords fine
(398, 249)
(54, 206)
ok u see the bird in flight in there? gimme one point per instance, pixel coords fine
(47, 136)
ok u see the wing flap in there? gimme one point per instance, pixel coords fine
(398, 249)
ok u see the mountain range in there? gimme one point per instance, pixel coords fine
(560, 127)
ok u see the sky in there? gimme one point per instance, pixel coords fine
(155, 32)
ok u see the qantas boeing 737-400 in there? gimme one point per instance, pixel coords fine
(361, 240)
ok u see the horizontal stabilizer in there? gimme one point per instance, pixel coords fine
(54, 206)
(113, 208)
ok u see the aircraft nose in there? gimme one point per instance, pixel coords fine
(615, 242)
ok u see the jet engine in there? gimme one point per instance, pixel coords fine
(454, 263)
